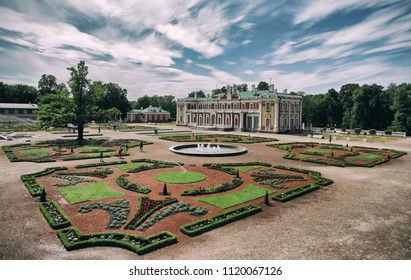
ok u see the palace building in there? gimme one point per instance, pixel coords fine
(255, 110)
(148, 115)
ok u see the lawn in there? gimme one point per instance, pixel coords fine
(251, 192)
(322, 151)
(34, 151)
(180, 177)
(245, 168)
(91, 148)
(95, 191)
(367, 157)
(303, 156)
(128, 166)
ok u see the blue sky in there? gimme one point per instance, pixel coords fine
(174, 47)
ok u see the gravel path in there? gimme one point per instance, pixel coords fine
(365, 214)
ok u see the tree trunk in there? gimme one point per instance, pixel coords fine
(80, 129)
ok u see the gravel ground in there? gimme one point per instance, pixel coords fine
(365, 214)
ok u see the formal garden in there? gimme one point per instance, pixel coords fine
(225, 138)
(337, 155)
(65, 150)
(143, 205)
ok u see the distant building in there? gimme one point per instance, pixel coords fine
(12, 111)
(255, 110)
(150, 114)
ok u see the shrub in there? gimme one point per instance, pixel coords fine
(204, 225)
(220, 188)
(73, 239)
(288, 195)
(357, 131)
(125, 184)
(100, 164)
(56, 218)
(388, 132)
(372, 131)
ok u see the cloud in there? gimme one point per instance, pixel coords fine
(315, 10)
(321, 78)
(246, 42)
(380, 28)
(249, 72)
(230, 62)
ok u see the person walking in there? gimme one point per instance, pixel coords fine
(120, 150)
(141, 146)
(101, 157)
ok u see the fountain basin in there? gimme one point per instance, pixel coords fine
(208, 150)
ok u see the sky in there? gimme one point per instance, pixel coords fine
(173, 47)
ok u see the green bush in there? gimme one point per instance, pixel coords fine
(388, 132)
(44, 172)
(56, 218)
(288, 195)
(100, 164)
(125, 184)
(372, 131)
(204, 225)
(357, 131)
(73, 239)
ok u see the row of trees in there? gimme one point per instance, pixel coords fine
(366, 107)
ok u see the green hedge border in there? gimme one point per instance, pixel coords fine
(50, 220)
(224, 167)
(121, 240)
(319, 179)
(131, 186)
(234, 183)
(215, 221)
(97, 164)
(294, 193)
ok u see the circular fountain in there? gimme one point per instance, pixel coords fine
(208, 150)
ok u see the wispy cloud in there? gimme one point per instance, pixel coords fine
(315, 10)
(380, 27)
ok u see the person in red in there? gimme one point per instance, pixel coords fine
(120, 150)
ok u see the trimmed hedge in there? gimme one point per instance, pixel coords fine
(77, 157)
(221, 188)
(44, 172)
(155, 165)
(54, 215)
(73, 239)
(34, 187)
(100, 164)
(125, 184)
(205, 225)
(291, 194)
(319, 179)
(224, 167)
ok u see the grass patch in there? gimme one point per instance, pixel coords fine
(303, 156)
(91, 148)
(321, 151)
(250, 193)
(367, 157)
(34, 151)
(180, 177)
(90, 192)
(245, 168)
(128, 166)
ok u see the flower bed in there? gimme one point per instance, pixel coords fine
(73, 239)
(72, 180)
(99, 172)
(125, 184)
(288, 195)
(274, 179)
(146, 209)
(174, 209)
(56, 218)
(319, 179)
(118, 211)
(201, 226)
(154, 164)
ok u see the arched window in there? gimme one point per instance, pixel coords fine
(267, 106)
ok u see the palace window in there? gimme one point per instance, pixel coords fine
(268, 106)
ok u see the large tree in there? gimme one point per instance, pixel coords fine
(401, 106)
(263, 86)
(83, 104)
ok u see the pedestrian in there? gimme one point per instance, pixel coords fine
(115, 128)
(141, 146)
(98, 129)
(329, 139)
(120, 150)
(101, 157)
